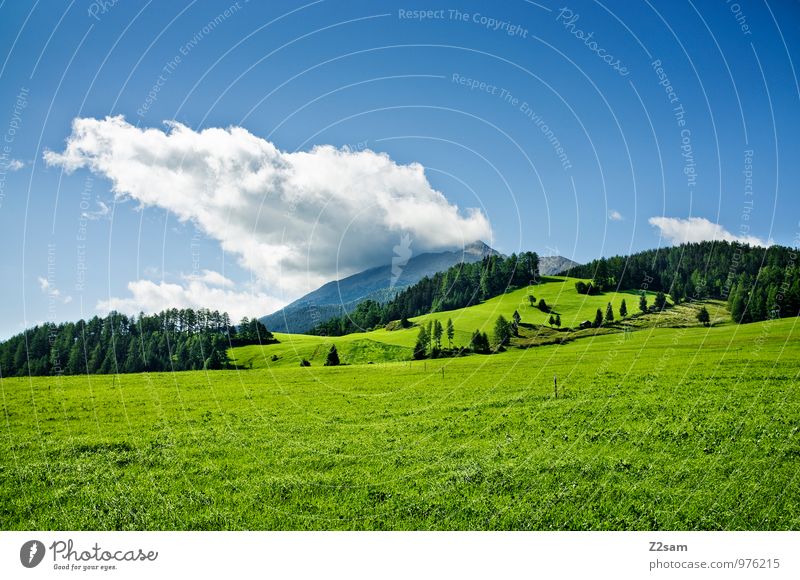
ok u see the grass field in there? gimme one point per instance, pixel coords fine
(662, 428)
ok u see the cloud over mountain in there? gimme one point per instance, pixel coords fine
(294, 219)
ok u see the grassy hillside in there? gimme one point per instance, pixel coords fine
(384, 345)
(664, 428)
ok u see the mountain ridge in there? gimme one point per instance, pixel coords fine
(382, 283)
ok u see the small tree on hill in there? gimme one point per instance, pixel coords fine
(661, 301)
(643, 302)
(213, 362)
(543, 305)
(703, 316)
(502, 331)
(598, 319)
(552, 320)
(623, 309)
(437, 334)
(558, 320)
(609, 313)
(479, 342)
(421, 346)
(532, 299)
(515, 320)
(333, 357)
(450, 332)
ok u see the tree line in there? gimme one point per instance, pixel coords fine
(758, 283)
(457, 287)
(172, 340)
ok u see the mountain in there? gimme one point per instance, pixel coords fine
(552, 265)
(382, 284)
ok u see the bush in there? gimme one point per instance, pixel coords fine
(703, 316)
(543, 306)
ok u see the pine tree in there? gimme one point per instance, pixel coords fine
(437, 334)
(623, 309)
(643, 302)
(598, 319)
(660, 301)
(133, 358)
(421, 346)
(558, 320)
(213, 362)
(332, 359)
(75, 362)
(609, 313)
(552, 320)
(451, 331)
(479, 342)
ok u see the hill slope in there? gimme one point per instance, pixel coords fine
(396, 345)
(381, 284)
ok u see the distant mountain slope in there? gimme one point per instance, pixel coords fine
(552, 265)
(380, 284)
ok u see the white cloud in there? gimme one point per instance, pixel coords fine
(208, 291)
(54, 293)
(102, 211)
(615, 216)
(15, 165)
(697, 229)
(295, 220)
(211, 278)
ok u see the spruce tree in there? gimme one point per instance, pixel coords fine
(437, 334)
(332, 359)
(421, 346)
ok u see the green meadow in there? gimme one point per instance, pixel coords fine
(670, 426)
(397, 345)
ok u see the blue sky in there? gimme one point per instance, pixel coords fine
(579, 128)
